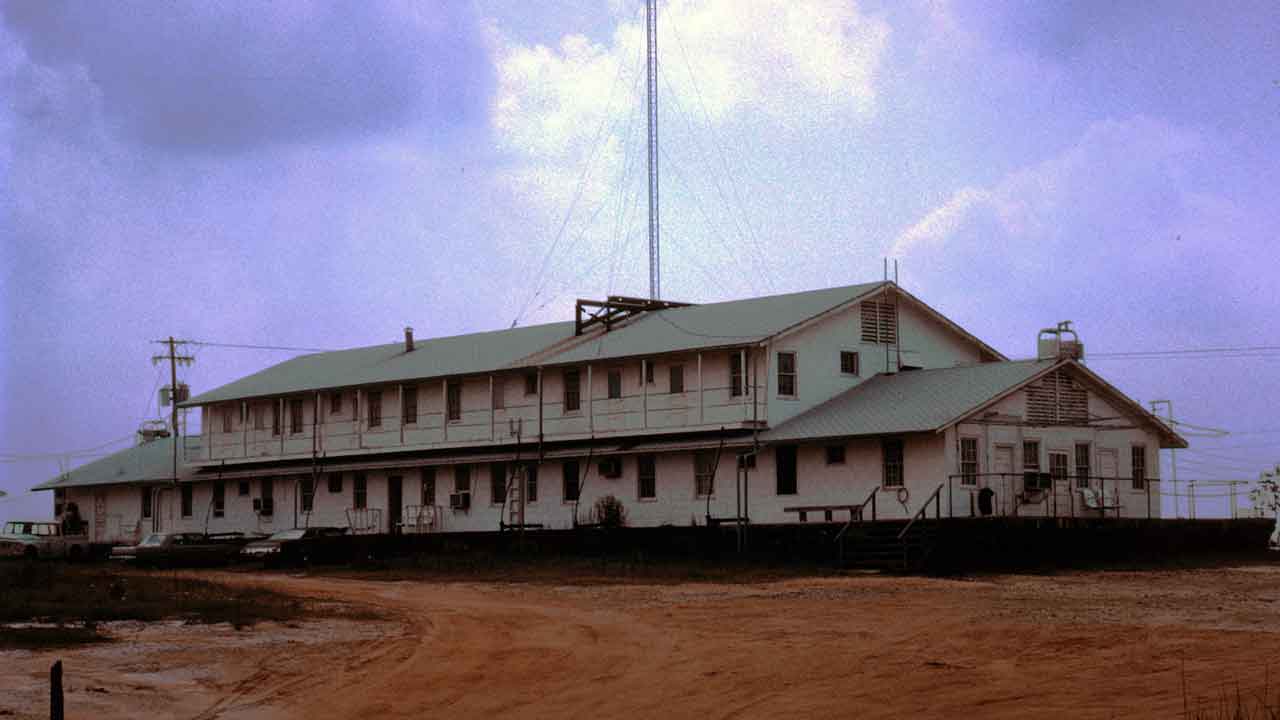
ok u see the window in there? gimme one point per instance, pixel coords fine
(295, 416)
(615, 384)
(499, 393)
(227, 418)
(968, 461)
(891, 448)
(185, 492)
(849, 362)
(266, 493)
(374, 402)
(146, 502)
(530, 483)
(335, 483)
(747, 460)
(498, 483)
(308, 492)
(1032, 479)
(704, 477)
(1057, 399)
(569, 470)
(879, 322)
(1138, 457)
(359, 491)
(242, 490)
(1082, 465)
(735, 374)
(787, 374)
(462, 478)
(785, 456)
(648, 371)
(572, 392)
(646, 477)
(677, 379)
(1058, 468)
(835, 454)
(219, 498)
(335, 403)
(531, 383)
(275, 418)
(259, 417)
(453, 400)
(409, 405)
(428, 486)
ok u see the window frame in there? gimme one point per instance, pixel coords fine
(648, 371)
(498, 483)
(307, 494)
(834, 458)
(335, 402)
(855, 362)
(259, 417)
(453, 401)
(499, 393)
(359, 491)
(186, 494)
(409, 404)
(1138, 480)
(786, 472)
(335, 488)
(737, 374)
(791, 388)
(462, 478)
(373, 410)
(646, 477)
(530, 483)
(228, 420)
(530, 383)
(277, 423)
(427, 486)
(570, 479)
(147, 509)
(613, 383)
(296, 414)
(704, 474)
(970, 465)
(244, 488)
(893, 465)
(675, 379)
(1059, 471)
(572, 390)
(219, 499)
(1082, 479)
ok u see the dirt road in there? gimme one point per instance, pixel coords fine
(1075, 645)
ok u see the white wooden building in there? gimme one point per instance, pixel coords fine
(753, 408)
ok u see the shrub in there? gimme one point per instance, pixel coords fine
(609, 512)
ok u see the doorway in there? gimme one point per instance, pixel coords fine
(395, 503)
(1005, 483)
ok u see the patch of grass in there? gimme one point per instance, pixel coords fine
(78, 595)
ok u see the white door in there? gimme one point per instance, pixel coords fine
(1107, 465)
(1004, 483)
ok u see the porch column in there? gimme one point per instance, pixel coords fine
(701, 409)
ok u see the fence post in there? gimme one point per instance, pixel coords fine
(55, 691)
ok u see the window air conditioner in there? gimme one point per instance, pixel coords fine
(460, 501)
(611, 468)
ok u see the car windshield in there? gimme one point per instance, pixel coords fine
(153, 539)
(294, 534)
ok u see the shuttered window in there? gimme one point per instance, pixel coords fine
(1057, 399)
(879, 322)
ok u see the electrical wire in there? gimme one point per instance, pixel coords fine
(246, 346)
(1189, 351)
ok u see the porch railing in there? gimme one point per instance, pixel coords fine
(1060, 496)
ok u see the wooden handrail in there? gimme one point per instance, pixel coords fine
(924, 507)
(857, 518)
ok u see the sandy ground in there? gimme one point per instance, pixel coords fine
(1083, 645)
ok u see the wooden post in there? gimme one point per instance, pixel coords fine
(701, 405)
(55, 691)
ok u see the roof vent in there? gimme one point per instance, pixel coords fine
(408, 339)
(1052, 345)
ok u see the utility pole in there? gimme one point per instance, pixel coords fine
(174, 358)
(651, 33)
(1173, 463)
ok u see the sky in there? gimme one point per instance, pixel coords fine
(321, 174)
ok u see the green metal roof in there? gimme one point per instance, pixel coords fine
(149, 462)
(434, 357)
(695, 327)
(912, 401)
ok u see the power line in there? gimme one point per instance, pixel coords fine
(1186, 351)
(65, 453)
(246, 346)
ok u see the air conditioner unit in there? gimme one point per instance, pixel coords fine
(460, 501)
(611, 468)
(263, 506)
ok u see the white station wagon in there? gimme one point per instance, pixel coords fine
(36, 539)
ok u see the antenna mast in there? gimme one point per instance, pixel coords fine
(651, 32)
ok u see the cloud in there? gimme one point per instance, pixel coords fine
(229, 76)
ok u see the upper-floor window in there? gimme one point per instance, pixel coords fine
(374, 401)
(736, 387)
(968, 461)
(295, 416)
(572, 391)
(677, 378)
(499, 393)
(531, 383)
(275, 418)
(892, 450)
(227, 418)
(787, 374)
(615, 384)
(453, 400)
(879, 322)
(259, 417)
(409, 404)
(835, 454)
(849, 364)
(648, 371)
(335, 402)
(1138, 457)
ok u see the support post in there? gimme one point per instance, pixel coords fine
(55, 691)
(591, 404)
(444, 407)
(701, 405)
(493, 413)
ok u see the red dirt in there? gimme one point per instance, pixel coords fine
(1084, 645)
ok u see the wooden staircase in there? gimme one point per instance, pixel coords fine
(889, 545)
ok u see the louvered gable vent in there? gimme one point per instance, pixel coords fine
(879, 322)
(1057, 399)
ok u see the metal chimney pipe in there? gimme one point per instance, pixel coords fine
(408, 339)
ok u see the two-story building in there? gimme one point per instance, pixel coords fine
(771, 408)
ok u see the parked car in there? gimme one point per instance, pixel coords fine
(34, 539)
(300, 546)
(184, 548)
